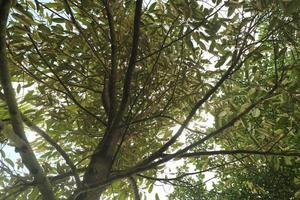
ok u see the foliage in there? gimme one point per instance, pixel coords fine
(245, 181)
(103, 84)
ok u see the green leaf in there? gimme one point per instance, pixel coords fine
(288, 161)
(282, 52)
(256, 112)
(279, 131)
(297, 194)
(18, 88)
(252, 91)
(152, 7)
(58, 20)
(25, 20)
(33, 194)
(122, 196)
(29, 95)
(212, 46)
(223, 113)
(2, 153)
(156, 196)
(232, 5)
(21, 10)
(222, 60)
(276, 164)
(297, 181)
(189, 43)
(10, 162)
(150, 188)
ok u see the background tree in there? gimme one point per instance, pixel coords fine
(242, 180)
(102, 84)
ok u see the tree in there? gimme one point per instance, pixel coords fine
(243, 180)
(102, 84)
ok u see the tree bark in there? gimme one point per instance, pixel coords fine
(100, 165)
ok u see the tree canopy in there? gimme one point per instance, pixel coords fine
(97, 97)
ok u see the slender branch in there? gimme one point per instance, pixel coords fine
(92, 17)
(182, 36)
(196, 107)
(153, 68)
(52, 11)
(134, 187)
(24, 69)
(136, 171)
(168, 180)
(166, 117)
(79, 28)
(216, 132)
(61, 82)
(58, 177)
(192, 173)
(236, 64)
(207, 137)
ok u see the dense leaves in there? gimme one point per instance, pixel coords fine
(98, 109)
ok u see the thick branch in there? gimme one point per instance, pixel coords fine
(144, 167)
(132, 61)
(148, 164)
(113, 72)
(182, 175)
(18, 136)
(234, 152)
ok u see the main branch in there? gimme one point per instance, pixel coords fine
(132, 61)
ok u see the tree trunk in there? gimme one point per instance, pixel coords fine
(100, 165)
